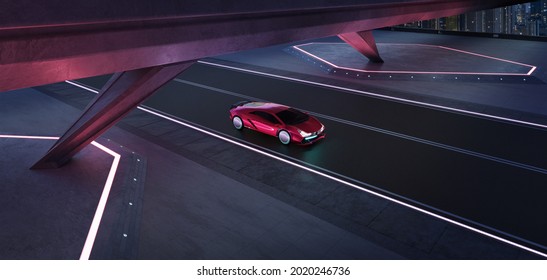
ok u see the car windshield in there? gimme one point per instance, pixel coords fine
(292, 116)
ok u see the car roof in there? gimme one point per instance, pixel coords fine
(266, 106)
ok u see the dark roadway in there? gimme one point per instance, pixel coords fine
(486, 173)
(469, 167)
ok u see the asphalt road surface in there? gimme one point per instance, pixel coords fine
(486, 173)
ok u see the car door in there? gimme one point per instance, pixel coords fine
(265, 122)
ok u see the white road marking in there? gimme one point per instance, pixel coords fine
(359, 92)
(380, 130)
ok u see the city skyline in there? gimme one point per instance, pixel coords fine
(529, 19)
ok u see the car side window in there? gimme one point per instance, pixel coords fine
(266, 116)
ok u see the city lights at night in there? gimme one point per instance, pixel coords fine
(529, 19)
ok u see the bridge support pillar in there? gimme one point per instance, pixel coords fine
(121, 94)
(363, 41)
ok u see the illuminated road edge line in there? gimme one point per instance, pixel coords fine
(501, 239)
(82, 86)
(29, 137)
(532, 68)
(359, 92)
(90, 240)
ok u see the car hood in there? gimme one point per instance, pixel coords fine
(311, 125)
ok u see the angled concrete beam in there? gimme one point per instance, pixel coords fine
(39, 45)
(363, 41)
(123, 92)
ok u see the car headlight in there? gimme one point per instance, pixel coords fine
(321, 129)
(304, 134)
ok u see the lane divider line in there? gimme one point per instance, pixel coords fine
(380, 130)
(360, 92)
(355, 186)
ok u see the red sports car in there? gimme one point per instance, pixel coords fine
(285, 123)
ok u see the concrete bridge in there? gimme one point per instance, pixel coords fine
(147, 43)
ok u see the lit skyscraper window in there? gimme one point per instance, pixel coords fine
(529, 19)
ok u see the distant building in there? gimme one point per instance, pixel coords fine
(523, 19)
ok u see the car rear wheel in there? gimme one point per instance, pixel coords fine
(237, 122)
(284, 137)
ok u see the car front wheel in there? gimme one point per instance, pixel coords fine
(237, 122)
(284, 137)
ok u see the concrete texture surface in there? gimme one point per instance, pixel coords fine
(47, 214)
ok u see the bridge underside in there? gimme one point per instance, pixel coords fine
(41, 46)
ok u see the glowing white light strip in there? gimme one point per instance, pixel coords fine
(314, 56)
(332, 177)
(81, 86)
(485, 56)
(533, 68)
(92, 234)
(90, 240)
(359, 92)
(29, 137)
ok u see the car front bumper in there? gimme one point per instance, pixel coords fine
(312, 139)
